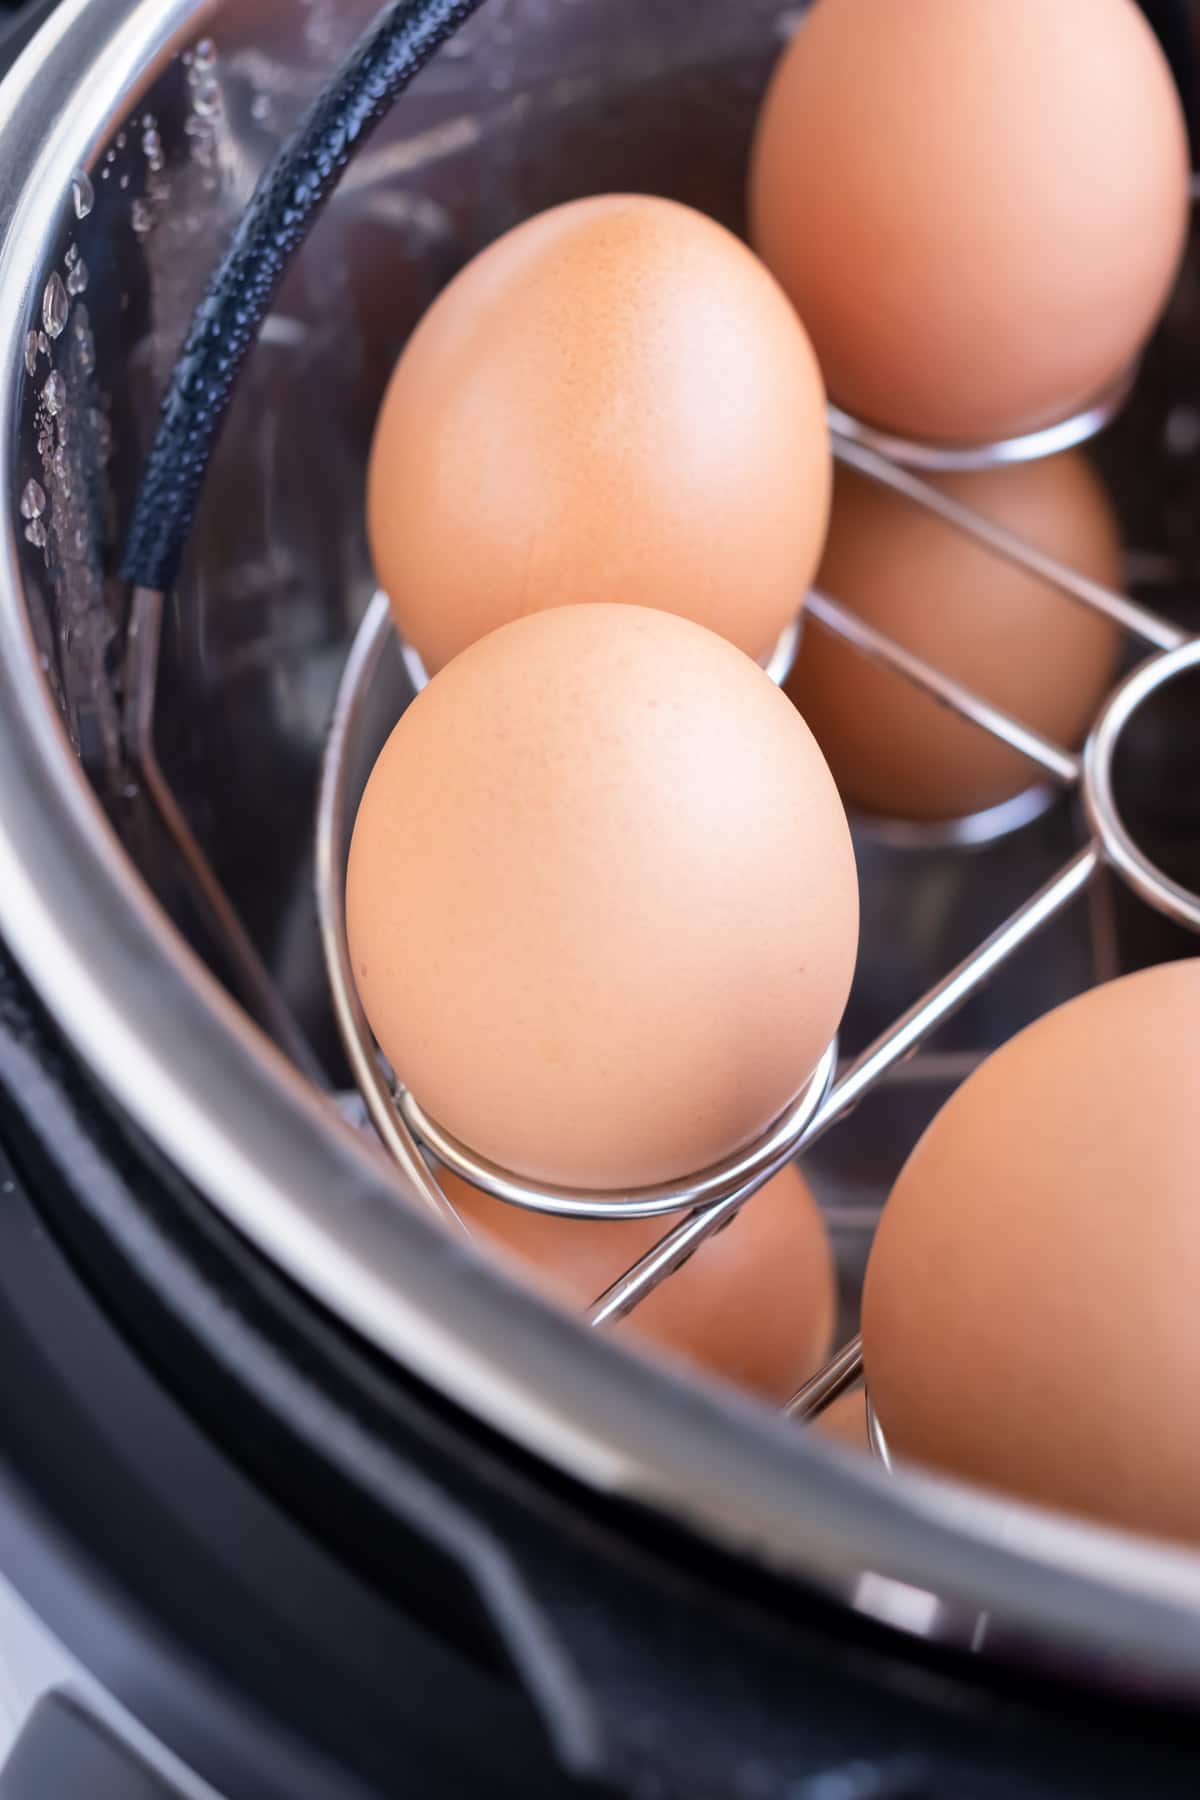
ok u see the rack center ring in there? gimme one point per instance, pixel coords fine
(1131, 863)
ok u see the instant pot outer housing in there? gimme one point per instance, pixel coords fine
(298, 1497)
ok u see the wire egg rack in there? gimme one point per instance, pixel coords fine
(376, 72)
(704, 1203)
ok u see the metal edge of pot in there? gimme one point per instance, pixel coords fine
(276, 1160)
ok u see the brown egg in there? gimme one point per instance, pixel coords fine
(1019, 643)
(755, 1303)
(845, 1421)
(602, 901)
(1029, 1314)
(978, 209)
(613, 403)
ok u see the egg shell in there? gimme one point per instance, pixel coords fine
(845, 1422)
(755, 1304)
(613, 403)
(1010, 637)
(601, 900)
(979, 210)
(1029, 1312)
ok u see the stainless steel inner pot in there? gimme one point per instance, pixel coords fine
(131, 134)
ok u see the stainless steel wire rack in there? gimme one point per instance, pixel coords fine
(706, 1202)
(703, 1203)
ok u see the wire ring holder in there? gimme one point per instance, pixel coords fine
(405, 36)
(1099, 801)
(782, 1138)
(1026, 446)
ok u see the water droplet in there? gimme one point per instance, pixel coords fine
(72, 256)
(33, 500)
(31, 352)
(35, 531)
(58, 463)
(110, 156)
(261, 108)
(203, 143)
(55, 393)
(104, 174)
(141, 217)
(152, 148)
(124, 184)
(122, 140)
(205, 54)
(43, 343)
(77, 280)
(206, 97)
(45, 442)
(55, 306)
(83, 192)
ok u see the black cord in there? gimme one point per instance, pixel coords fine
(271, 230)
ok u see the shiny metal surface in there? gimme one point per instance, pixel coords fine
(875, 1436)
(332, 843)
(967, 832)
(1135, 619)
(748, 1168)
(1052, 760)
(253, 646)
(1130, 861)
(1048, 440)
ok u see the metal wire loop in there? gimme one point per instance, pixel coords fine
(1132, 864)
(778, 1143)
(1027, 446)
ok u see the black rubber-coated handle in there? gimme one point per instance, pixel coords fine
(271, 230)
(66, 1754)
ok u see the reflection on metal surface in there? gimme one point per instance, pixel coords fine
(971, 831)
(141, 683)
(331, 908)
(1129, 861)
(1028, 446)
(1123, 611)
(1059, 764)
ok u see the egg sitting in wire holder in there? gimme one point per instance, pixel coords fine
(601, 901)
(890, 146)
